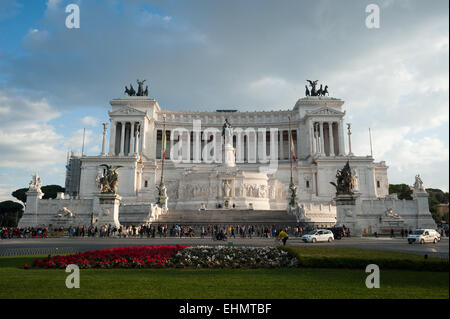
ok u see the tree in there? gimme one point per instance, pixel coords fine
(20, 194)
(10, 213)
(436, 197)
(402, 190)
(50, 191)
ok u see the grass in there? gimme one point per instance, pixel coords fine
(353, 258)
(16, 282)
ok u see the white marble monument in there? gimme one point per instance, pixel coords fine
(247, 166)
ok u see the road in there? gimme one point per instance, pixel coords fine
(17, 247)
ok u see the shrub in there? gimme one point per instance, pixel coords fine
(353, 262)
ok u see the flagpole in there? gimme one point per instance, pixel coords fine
(290, 151)
(162, 192)
(163, 151)
(292, 187)
(82, 147)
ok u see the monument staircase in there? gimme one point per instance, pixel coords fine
(228, 217)
(136, 214)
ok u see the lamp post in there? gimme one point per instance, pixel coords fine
(292, 187)
(162, 191)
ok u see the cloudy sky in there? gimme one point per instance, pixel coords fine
(205, 54)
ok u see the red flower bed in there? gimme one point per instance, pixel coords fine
(123, 257)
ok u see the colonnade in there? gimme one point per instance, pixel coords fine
(248, 143)
(127, 141)
(327, 138)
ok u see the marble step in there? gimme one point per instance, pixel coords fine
(227, 217)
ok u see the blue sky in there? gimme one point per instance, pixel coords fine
(203, 54)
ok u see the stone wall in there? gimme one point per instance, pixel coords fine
(56, 212)
(383, 214)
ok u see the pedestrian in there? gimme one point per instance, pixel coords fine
(283, 236)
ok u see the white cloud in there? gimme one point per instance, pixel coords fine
(28, 143)
(89, 120)
(25, 137)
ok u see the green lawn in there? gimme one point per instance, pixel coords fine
(352, 258)
(354, 253)
(16, 282)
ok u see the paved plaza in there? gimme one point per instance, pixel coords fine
(16, 247)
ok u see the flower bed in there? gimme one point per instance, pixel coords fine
(232, 257)
(173, 256)
(123, 257)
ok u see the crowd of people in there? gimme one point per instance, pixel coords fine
(28, 232)
(216, 232)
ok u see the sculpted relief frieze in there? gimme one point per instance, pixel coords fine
(195, 191)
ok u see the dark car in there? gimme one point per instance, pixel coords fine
(338, 232)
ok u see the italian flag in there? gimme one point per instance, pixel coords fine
(292, 147)
(164, 145)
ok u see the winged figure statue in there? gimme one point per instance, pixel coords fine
(108, 182)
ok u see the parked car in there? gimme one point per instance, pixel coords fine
(338, 232)
(318, 235)
(423, 236)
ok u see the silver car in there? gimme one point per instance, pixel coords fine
(423, 236)
(318, 235)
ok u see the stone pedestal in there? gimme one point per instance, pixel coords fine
(30, 216)
(108, 209)
(423, 218)
(347, 210)
(155, 212)
(230, 160)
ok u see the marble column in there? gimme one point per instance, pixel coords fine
(112, 139)
(197, 143)
(132, 140)
(240, 147)
(154, 144)
(331, 139)
(316, 136)
(104, 140)
(341, 138)
(141, 139)
(122, 140)
(349, 132)
(281, 145)
(322, 140)
(136, 137)
(311, 129)
(186, 146)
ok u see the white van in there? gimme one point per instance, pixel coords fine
(423, 236)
